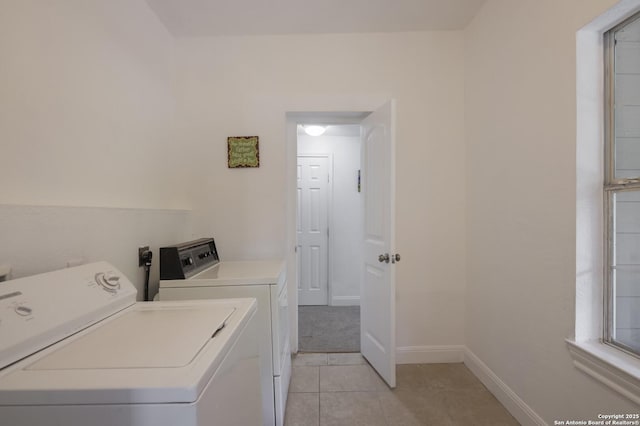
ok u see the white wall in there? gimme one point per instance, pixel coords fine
(38, 239)
(520, 117)
(87, 119)
(345, 214)
(230, 86)
(86, 106)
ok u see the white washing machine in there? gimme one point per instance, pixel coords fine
(76, 349)
(192, 270)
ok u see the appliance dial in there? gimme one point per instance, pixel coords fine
(108, 281)
(23, 310)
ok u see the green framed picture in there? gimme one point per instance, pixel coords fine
(243, 151)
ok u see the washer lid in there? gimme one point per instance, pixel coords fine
(141, 338)
(139, 360)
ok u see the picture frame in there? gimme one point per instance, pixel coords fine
(243, 152)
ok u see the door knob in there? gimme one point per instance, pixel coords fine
(395, 258)
(383, 258)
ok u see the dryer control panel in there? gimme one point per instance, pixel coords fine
(40, 310)
(184, 260)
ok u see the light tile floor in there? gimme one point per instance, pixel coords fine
(342, 389)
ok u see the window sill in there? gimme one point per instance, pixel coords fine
(614, 368)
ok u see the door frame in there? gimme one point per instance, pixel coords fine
(347, 114)
(330, 248)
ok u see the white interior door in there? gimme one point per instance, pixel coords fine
(312, 229)
(377, 303)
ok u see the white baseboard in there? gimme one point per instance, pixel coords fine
(429, 354)
(345, 301)
(512, 402)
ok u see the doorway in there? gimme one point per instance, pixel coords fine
(329, 234)
(377, 247)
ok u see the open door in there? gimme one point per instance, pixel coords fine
(377, 293)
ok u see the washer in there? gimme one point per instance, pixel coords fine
(76, 349)
(192, 270)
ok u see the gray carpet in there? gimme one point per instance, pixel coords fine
(329, 328)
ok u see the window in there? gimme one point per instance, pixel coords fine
(611, 360)
(622, 186)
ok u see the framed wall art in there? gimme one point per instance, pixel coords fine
(243, 151)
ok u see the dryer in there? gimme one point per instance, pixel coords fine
(193, 270)
(76, 349)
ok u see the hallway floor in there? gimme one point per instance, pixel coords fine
(342, 389)
(329, 328)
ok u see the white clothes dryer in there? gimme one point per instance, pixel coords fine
(76, 349)
(193, 270)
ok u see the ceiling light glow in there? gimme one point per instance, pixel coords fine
(314, 130)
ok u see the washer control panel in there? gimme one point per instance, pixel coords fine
(38, 311)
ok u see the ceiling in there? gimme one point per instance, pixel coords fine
(185, 18)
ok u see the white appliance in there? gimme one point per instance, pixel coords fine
(192, 270)
(76, 349)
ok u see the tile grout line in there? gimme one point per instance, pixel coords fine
(319, 405)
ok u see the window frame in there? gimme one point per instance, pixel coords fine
(606, 364)
(612, 186)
